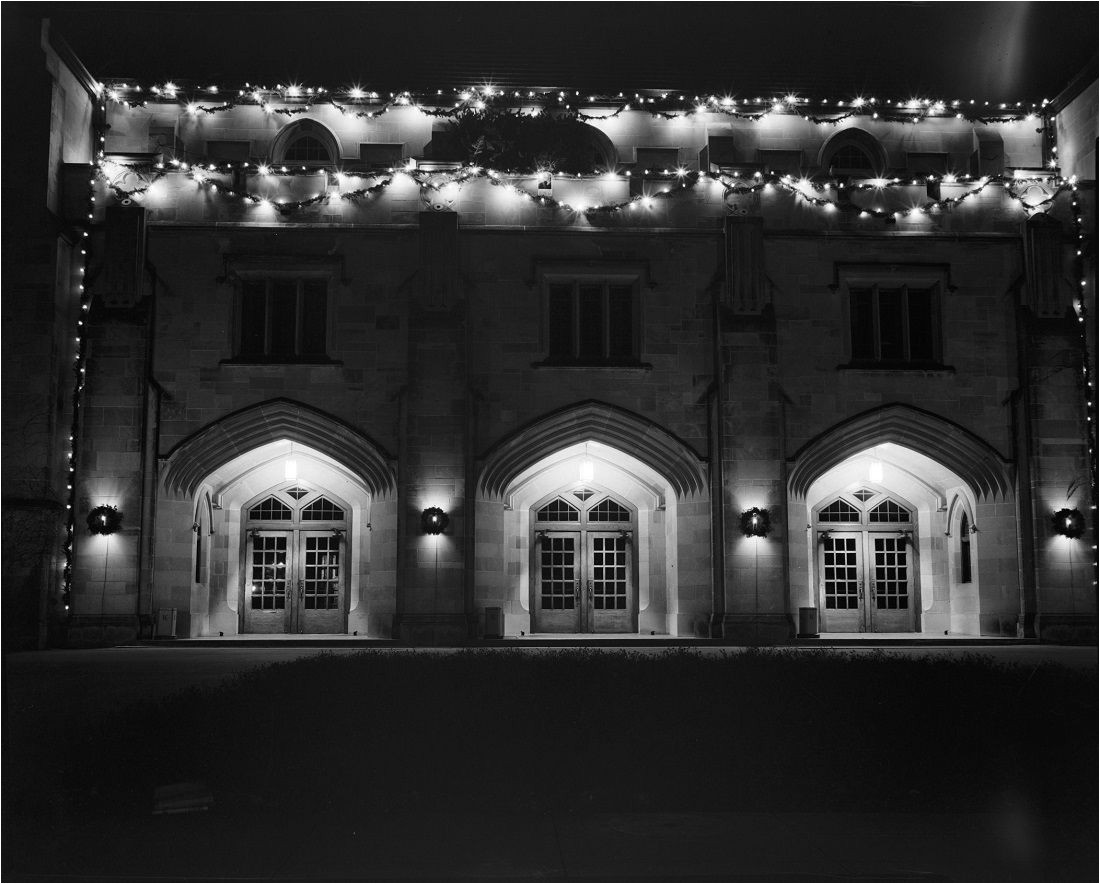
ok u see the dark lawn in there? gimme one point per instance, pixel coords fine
(587, 731)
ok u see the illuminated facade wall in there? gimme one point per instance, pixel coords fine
(686, 314)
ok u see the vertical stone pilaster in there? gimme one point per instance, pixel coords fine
(1056, 476)
(106, 569)
(431, 577)
(752, 457)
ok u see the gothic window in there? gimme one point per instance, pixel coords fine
(851, 159)
(558, 510)
(839, 511)
(283, 320)
(591, 322)
(888, 511)
(322, 510)
(965, 566)
(305, 143)
(894, 325)
(608, 510)
(270, 510)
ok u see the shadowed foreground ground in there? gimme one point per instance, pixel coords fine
(573, 766)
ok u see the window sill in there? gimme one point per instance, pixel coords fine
(930, 368)
(255, 361)
(594, 366)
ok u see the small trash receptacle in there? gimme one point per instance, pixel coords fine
(166, 623)
(807, 623)
(494, 622)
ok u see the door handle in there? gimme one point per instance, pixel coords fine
(861, 589)
(301, 590)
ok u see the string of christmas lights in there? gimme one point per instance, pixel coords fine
(671, 182)
(80, 358)
(1082, 310)
(451, 102)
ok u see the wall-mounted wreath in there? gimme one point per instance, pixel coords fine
(755, 522)
(104, 519)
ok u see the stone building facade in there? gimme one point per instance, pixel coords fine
(756, 366)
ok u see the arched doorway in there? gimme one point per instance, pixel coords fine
(867, 563)
(884, 515)
(595, 519)
(583, 563)
(294, 570)
(287, 500)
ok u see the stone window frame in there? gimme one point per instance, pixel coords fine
(244, 270)
(604, 274)
(298, 130)
(905, 276)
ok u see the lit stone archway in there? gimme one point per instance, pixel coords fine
(887, 490)
(288, 452)
(584, 457)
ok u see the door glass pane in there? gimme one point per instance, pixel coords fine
(560, 322)
(839, 511)
(620, 314)
(920, 324)
(888, 511)
(591, 331)
(321, 574)
(284, 319)
(253, 318)
(558, 510)
(314, 317)
(863, 324)
(322, 510)
(891, 573)
(966, 575)
(609, 573)
(270, 510)
(891, 332)
(608, 510)
(557, 573)
(267, 578)
(841, 575)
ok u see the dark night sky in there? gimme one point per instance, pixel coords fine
(998, 51)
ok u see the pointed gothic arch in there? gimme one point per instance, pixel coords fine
(852, 139)
(600, 422)
(971, 458)
(189, 462)
(301, 133)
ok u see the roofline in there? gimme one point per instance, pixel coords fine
(1084, 78)
(53, 39)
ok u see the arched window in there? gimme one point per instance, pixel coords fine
(888, 511)
(966, 573)
(306, 143)
(853, 152)
(270, 510)
(558, 510)
(853, 159)
(839, 511)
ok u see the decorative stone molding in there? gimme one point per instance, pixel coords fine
(974, 460)
(279, 419)
(598, 422)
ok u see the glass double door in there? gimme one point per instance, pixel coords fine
(867, 582)
(294, 582)
(584, 582)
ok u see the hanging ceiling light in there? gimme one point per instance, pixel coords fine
(587, 468)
